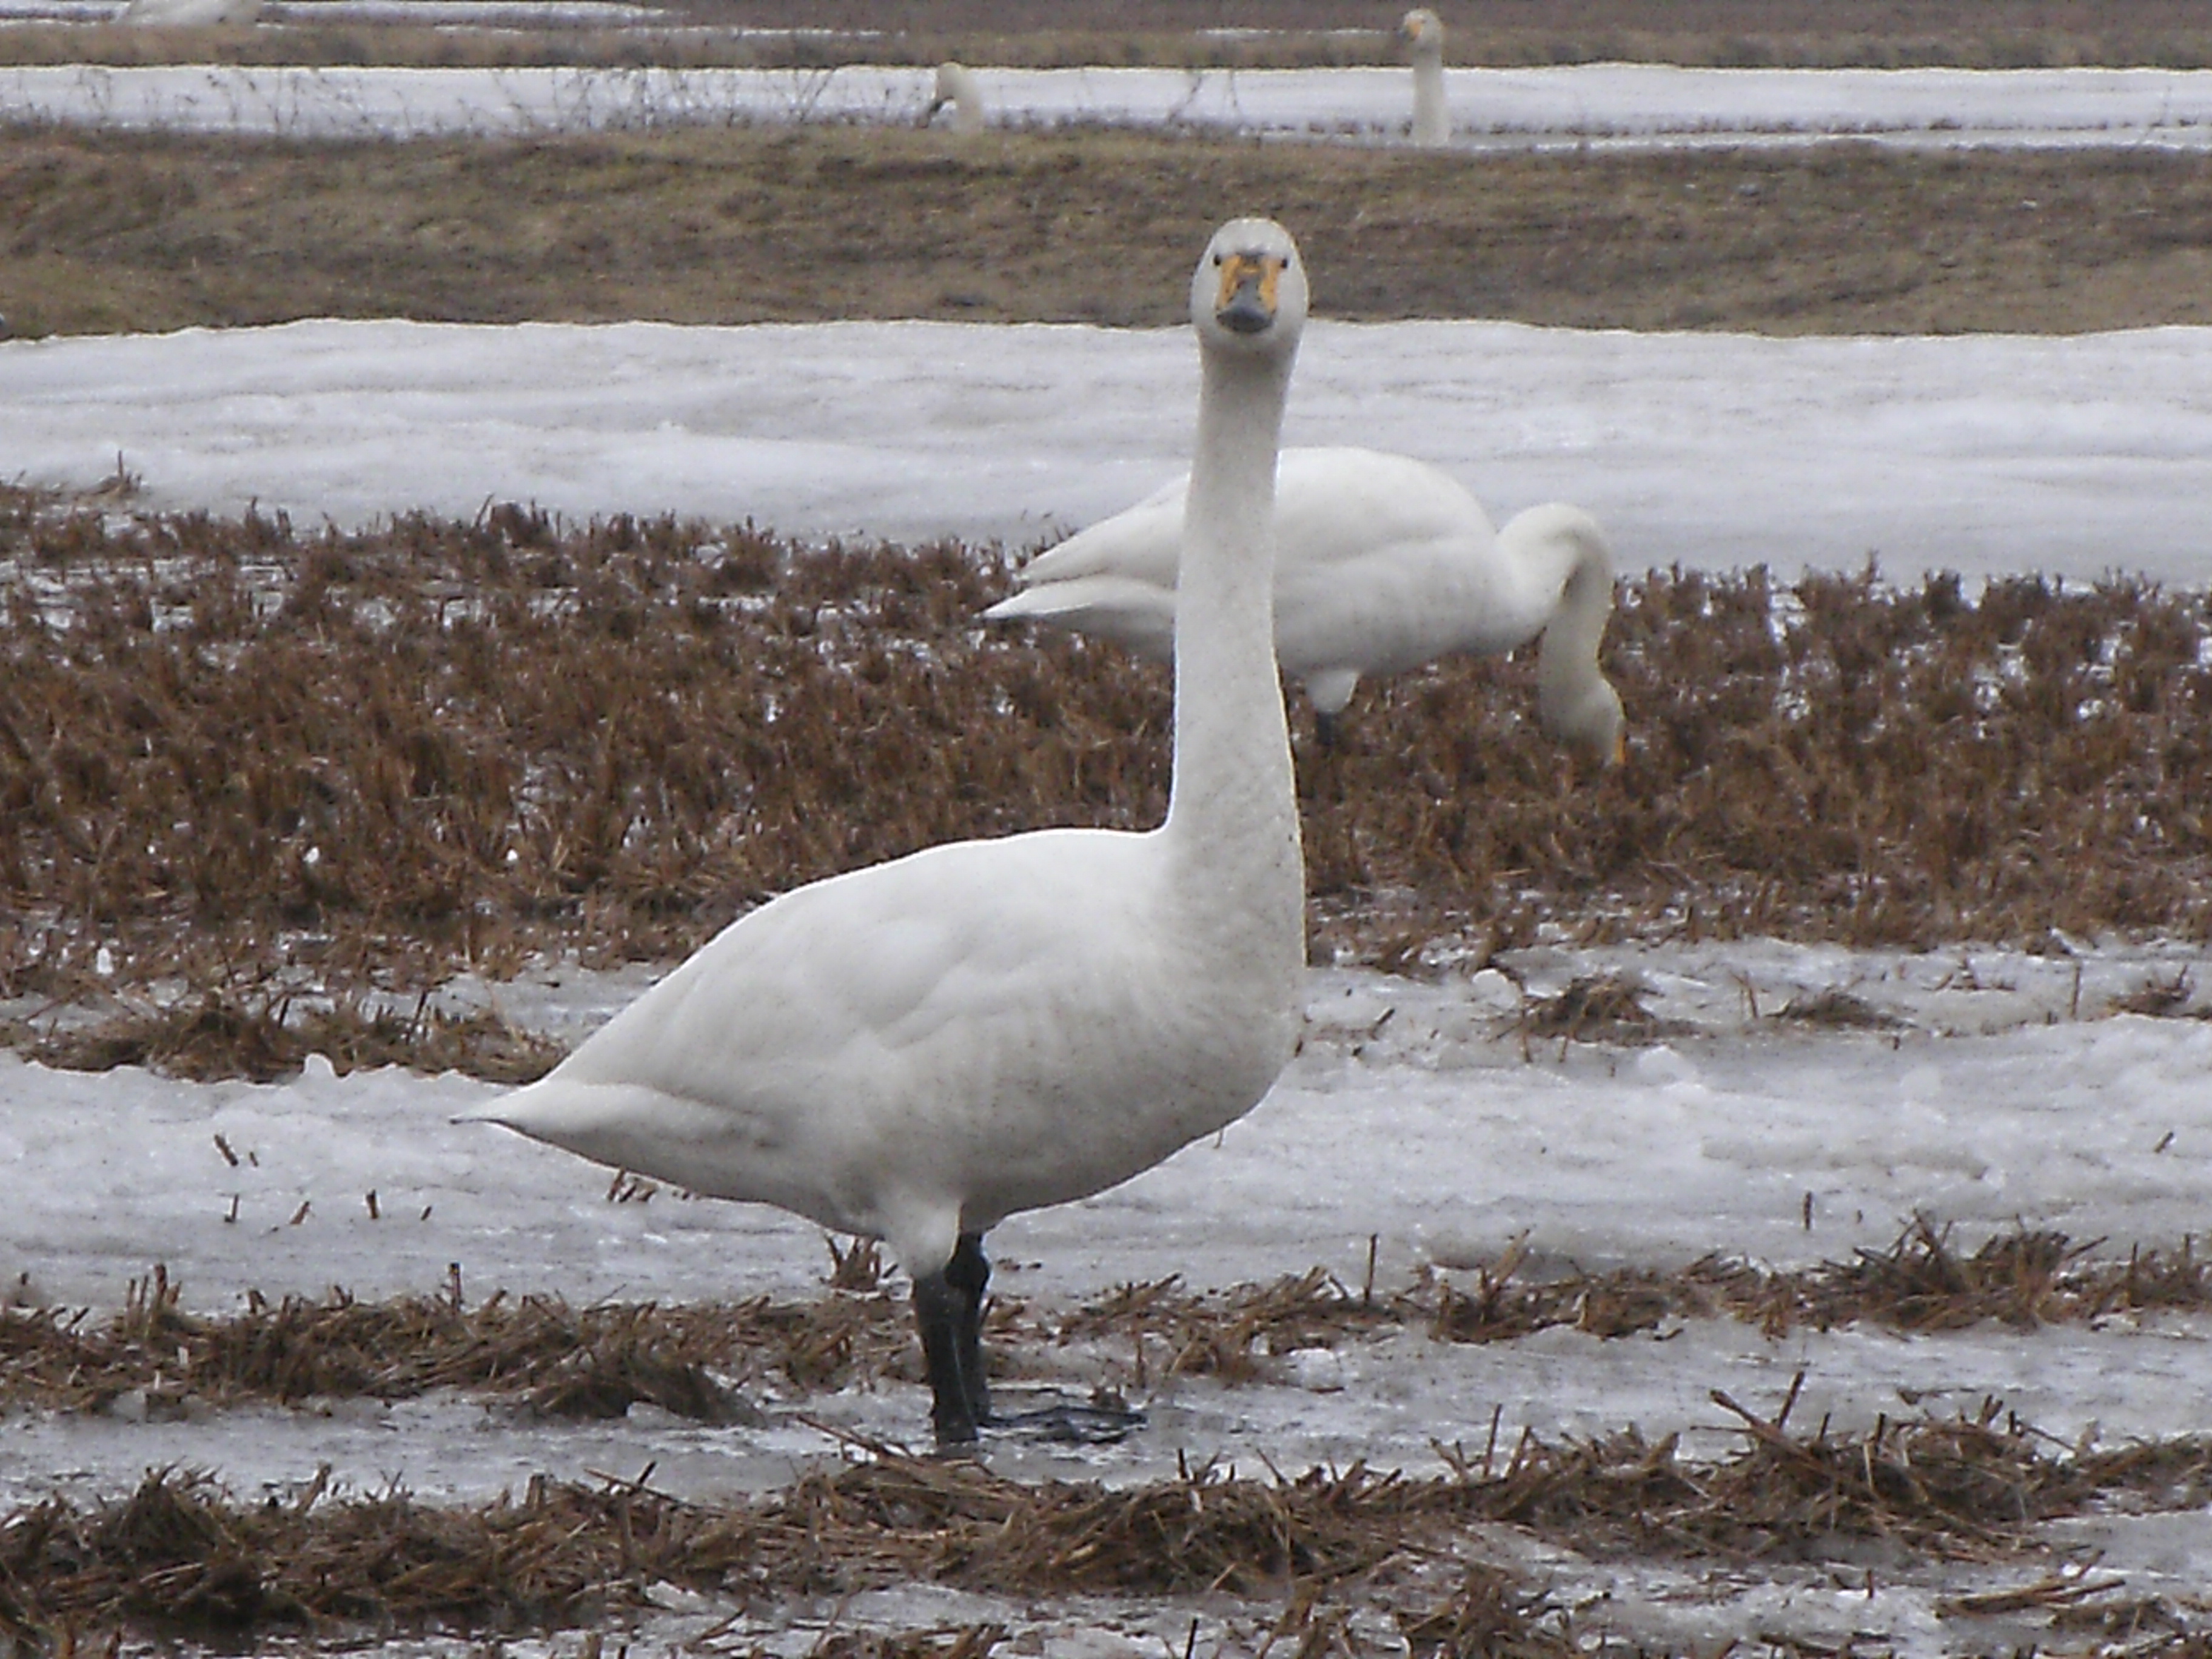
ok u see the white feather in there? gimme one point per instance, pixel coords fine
(956, 85)
(914, 1050)
(1383, 563)
(1423, 32)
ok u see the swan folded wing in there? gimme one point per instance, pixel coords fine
(844, 1051)
(1403, 604)
(1336, 505)
(1142, 543)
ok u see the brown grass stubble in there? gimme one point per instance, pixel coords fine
(700, 1361)
(258, 764)
(180, 1556)
(113, 232)
(180, 1553)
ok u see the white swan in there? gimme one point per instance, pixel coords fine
(914, 1050)
(189, 14)
(1383, 563)
(1423, 32)
(956, 85)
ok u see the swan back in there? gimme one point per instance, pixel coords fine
(916, 1049)
(1423, 32)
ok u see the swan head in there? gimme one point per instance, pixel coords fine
(1422, 29)
(1247, 296)
(1587, 719)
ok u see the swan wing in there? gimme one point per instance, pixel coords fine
(988, 1025)
(1385, 562)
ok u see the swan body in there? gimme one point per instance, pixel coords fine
(189, 14)
(957, 86)
(1383, 563)
(1423, 32)
(914, 1050)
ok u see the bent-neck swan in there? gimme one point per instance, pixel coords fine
(957, 87)
(1383, 563)
(1423, 32)
(914, 1050)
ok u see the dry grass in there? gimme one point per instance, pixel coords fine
(179, 1556)
(1922, 1282)
(558, 1361)
(253, 765)
(700, 1362)
(115, 232)
(218, 1033)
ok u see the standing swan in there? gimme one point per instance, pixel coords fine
(957, 87)
(1383, 563)
(914, 1050)
(1423, 32)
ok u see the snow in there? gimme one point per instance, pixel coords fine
(1578, 105)
(2009, 1094)
(2024, 1103)
(2078, 455)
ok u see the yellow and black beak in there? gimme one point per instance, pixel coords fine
(1245, 302)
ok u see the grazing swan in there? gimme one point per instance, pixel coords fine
(914, 1050)
(1423, 32)
(1381, 563)
(957, 87)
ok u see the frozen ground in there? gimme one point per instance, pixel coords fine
(2078, 455)
(2009, 1096)
(1606, 104)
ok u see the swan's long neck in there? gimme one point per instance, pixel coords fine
(1232, 815)
(1431, 117)
(1575, 561)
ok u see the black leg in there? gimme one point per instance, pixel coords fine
(938, 1310)
(948, 1304)
(968, 1273)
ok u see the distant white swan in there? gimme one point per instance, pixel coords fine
(1423, 32)
(956, 85)
(1383, 563)
(189, 14)
(914, 1050)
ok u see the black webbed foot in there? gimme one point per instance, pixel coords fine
(1104, 1420)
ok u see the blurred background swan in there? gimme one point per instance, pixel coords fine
(189, 14)
(1423, 32)
(1383, 563)
(956, 85)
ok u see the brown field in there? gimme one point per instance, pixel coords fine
(292, 780)
(182, 1556)
(261, 764)
(1255, 34)
(117, 233)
